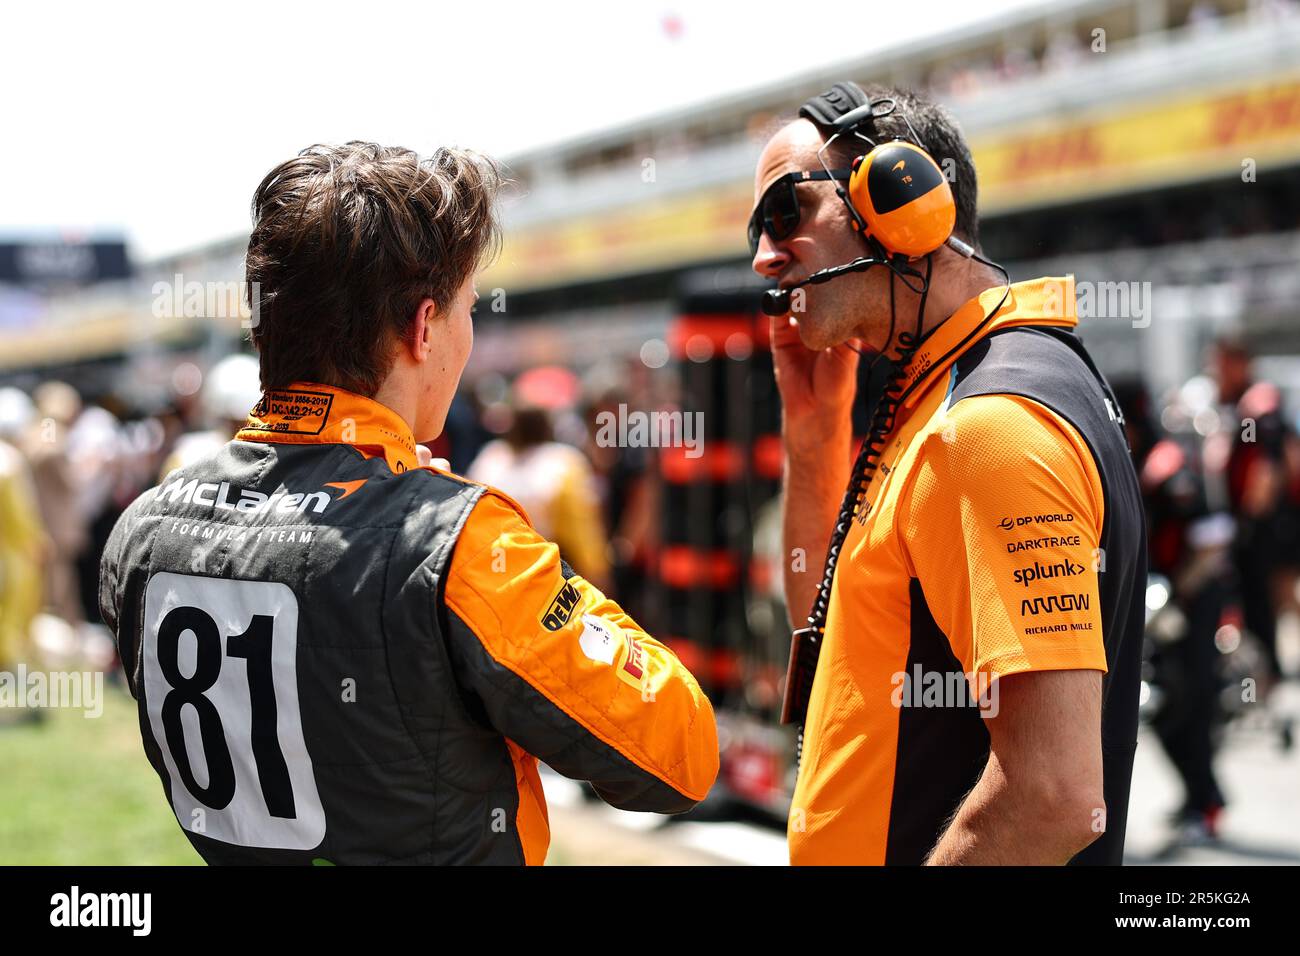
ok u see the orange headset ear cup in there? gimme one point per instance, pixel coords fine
(904, 199)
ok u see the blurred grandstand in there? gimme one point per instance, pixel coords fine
(1109, 137)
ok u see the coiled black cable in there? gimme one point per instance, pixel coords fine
(864, 469)
(867, 461)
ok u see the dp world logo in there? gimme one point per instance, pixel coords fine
(1006, 524)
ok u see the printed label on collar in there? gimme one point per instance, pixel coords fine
(291, 411)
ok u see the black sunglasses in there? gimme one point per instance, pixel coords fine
(777, 213)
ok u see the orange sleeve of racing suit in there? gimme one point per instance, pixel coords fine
(1004, 517)
(566, 675)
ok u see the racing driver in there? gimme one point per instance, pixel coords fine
(342, 654)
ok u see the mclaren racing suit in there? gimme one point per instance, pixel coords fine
(339, 656)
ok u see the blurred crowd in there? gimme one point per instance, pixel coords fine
(536, 439)
(1218, 461)
(67, 469)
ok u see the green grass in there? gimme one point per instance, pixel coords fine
(80, 791)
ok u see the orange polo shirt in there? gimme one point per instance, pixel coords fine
(973, 556)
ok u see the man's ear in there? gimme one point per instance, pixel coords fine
(420, 343)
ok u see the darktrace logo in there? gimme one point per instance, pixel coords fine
(1047, 542)
(1039, 571)
(1053, 604)
(561, 608)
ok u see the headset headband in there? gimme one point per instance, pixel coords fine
(898, 198)
(827, 108)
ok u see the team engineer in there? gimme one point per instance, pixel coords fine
(993, 531)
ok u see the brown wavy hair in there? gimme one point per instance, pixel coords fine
(347, 241)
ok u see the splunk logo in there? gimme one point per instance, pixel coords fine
(1053, 603)
(222, 496)
(1039, 571)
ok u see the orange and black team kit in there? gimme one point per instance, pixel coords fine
(342, 657)
(992, 526)
(1001, 532)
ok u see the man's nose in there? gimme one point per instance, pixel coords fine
(770, 260)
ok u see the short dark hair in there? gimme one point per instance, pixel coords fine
(939, 135)
(347, 240)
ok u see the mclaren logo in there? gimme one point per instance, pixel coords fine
(561, 607)
(1054, 603)
(347, 487)
(223, 496)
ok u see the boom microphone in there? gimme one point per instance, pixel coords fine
(776, 302)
